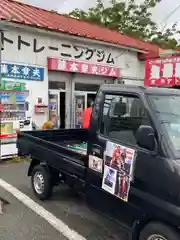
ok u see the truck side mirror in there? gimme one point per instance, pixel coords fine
(145, 137)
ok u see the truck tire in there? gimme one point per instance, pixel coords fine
(41, 182)
(159, 231)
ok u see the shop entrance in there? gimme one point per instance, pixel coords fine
(82, 100)
(57, 103)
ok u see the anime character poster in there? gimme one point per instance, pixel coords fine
(118, 163)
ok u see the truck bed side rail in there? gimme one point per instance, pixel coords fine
(54, 155)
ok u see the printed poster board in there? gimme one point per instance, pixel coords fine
(118, 170)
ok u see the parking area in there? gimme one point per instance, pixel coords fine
(20, 223)
(64, 205)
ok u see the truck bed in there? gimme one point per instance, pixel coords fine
(54, 148)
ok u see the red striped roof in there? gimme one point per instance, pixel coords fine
(25, 14)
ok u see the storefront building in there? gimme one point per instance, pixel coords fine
(63, 70)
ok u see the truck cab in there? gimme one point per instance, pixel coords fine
(131, 169)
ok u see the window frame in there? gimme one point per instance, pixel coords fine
(123, 94)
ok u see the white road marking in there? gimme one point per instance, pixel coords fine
(59, 225)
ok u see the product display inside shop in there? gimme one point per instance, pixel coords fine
(12, 115)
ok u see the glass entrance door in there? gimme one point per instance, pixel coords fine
(54, 100)
(80, 103)
(90, 97)
(57, 106)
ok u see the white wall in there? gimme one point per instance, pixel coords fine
(37, 89)
(124, 59)
(132, 70)
(27, 55)
(130, 67)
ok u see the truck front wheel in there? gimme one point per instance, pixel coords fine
(159, 231)
(41, 182)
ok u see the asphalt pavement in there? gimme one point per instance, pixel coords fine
(20, 223)
(72, 210)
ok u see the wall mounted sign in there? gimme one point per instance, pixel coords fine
(65, 49)
(22, 72)
(162, 72)
(11, 85)
(56, 64)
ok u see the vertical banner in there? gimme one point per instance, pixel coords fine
(118, 170)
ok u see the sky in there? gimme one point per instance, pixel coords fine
(162, 10)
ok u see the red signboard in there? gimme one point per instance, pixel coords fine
(162, 72)
(57, 64)
(8, 135)
(2, 107)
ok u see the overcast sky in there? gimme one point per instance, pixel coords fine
(161, 12)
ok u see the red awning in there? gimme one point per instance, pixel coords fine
(25, 14)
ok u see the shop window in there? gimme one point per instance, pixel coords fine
(86, 87)
(122, 115)
(57, 85)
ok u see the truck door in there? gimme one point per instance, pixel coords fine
(113, 154)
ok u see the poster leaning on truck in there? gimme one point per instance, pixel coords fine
(118, 170)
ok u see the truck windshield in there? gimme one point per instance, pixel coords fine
(167, 109)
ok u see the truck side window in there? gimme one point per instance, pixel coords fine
(122, 115)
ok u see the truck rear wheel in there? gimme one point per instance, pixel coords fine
(159, 231)
(41, 182)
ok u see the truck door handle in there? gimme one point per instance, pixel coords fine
(96, 149)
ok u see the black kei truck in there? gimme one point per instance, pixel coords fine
(127, 164)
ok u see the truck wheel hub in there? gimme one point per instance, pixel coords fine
(156, 237)
(39, 182)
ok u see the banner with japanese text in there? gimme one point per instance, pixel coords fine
(162, 71)
(22, 72)
(56, 64)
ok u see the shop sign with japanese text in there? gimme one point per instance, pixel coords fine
(162, 72)
(24, 72)
(46, 46)
(55, 64)
(12, 85)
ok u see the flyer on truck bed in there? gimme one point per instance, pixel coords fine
(118, 169)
